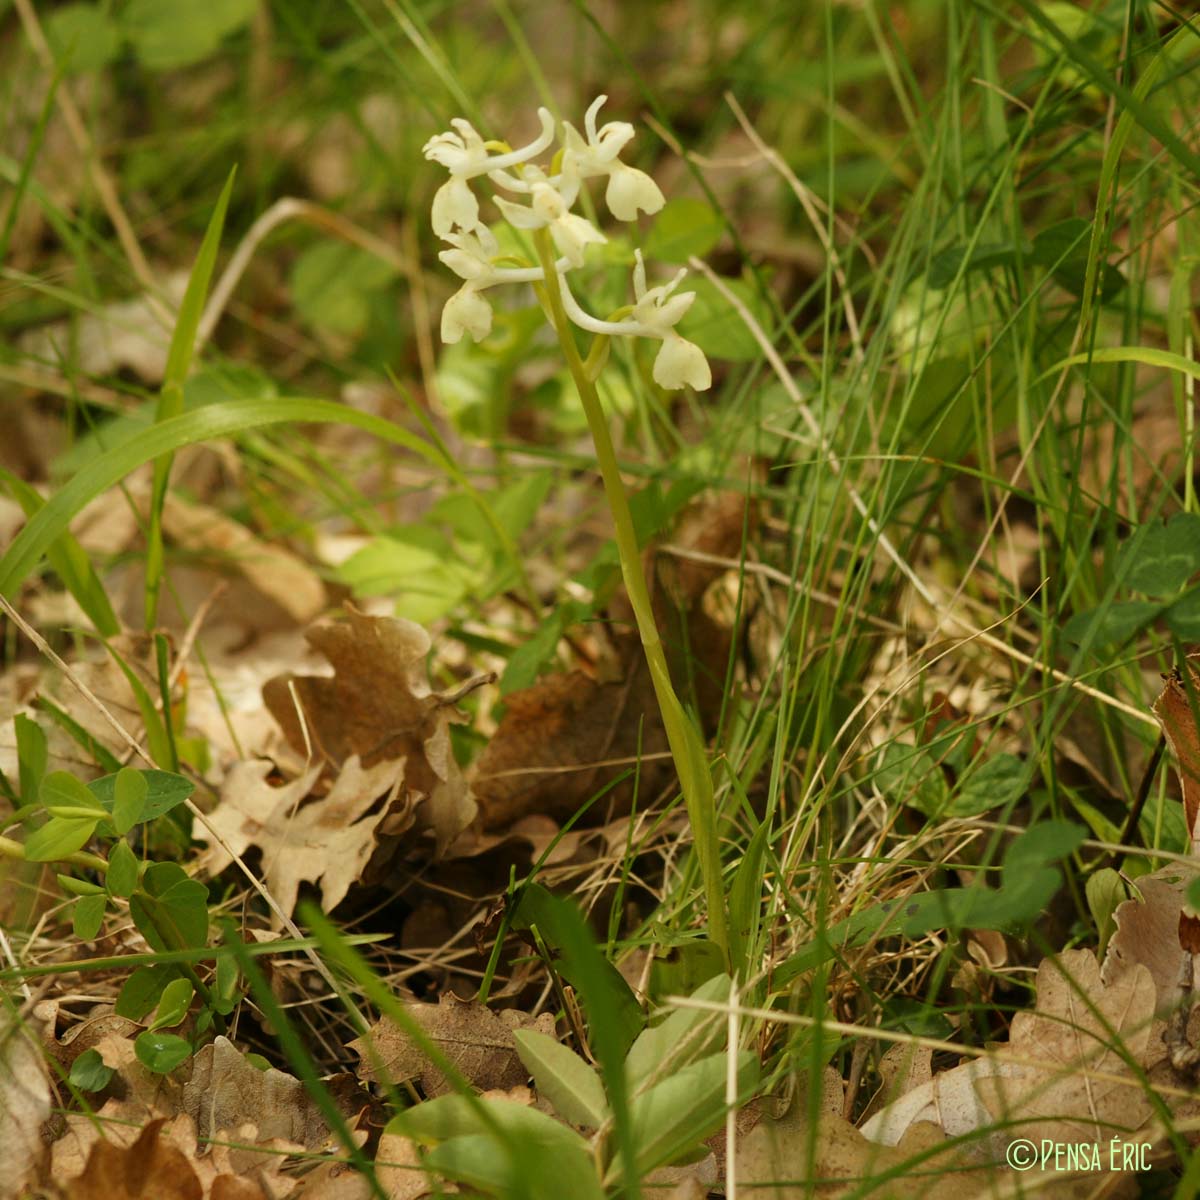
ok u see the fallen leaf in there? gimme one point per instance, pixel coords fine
(1175, 713)
(127, 333)
(785, 1158)
(1078, 1030)
(225, 1092)
(476, 1040)
(274, 571)
(398, 1166)
(903, 1069)
(378, 706)
(948, 1100)
(569, 737)
(150, 1168)
(24, 1105)
(326, 841)
(1148, 933)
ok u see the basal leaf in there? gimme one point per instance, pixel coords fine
(1111, 625)
(563, 1078)
(683, 1109)
(992, 784)
(657, 1043)
(1159, 559)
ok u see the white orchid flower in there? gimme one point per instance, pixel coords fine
(466, 312)
(466, 156)
(655, 314)
(629, 190)
(549, 208)
(473, 259)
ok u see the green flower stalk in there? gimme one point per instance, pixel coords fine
(561, 238)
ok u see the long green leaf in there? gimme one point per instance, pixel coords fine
(1149, 356)
(676, 1114)
(30, 546)
(563, 1078)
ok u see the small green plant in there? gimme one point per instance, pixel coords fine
(656, 1090)
(561, 238)
(60, 816)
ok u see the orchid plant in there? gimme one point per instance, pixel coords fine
(539, 200)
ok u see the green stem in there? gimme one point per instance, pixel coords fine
(687, 747)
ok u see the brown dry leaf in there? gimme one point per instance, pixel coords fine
(226, 1091)
(1148, 933)
(398, 1168)
(1174, 710)
(326, 841)
(903, 1069)
(246, 1165)
(124, 334)
(337, 1180)
(379, 707)
(549, 752)
(476, 1040)
(151, 1168)
(24, 1105)
(160, 1161)
(1072, 1031)
(275, 572)
(781, 1159)
(948, 1100)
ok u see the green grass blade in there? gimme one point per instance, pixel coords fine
(32, 544)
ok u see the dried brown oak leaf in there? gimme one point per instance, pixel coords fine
(1148, 933)
(378, 705)
(566, 738)
(161, 1164)
(250, 1120)
(1065, 1075)
(327, 841)
(226, 1091)
(785, 1158)
(478, 1041)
